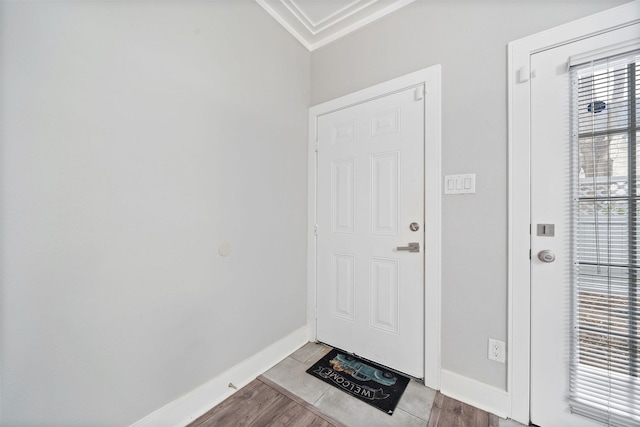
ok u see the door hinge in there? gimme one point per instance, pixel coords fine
(419, 93)
(315, 314)
(523, 74)
(316, 148)
(315, 229)
(529, 253)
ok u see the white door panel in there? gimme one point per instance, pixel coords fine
(370, 189)
(551, 160)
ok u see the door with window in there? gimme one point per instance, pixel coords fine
(584, 241)
(370, 237)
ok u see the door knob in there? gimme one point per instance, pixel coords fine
(546, 256)
(413, 247)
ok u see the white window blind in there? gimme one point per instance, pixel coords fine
(605, 376)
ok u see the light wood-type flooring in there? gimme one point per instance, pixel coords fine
(287, 396)
(450, 412)
(263, 403)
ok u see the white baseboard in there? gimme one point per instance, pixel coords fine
(476, 393)
(190, 406)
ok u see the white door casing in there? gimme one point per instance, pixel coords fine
(519, 266)
(370, 189)
(551, 168)
(430, 186)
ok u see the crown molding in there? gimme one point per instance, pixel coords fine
(333, 20)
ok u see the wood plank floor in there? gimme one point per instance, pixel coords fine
(263, 403)
(450, 412)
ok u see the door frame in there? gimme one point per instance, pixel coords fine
(519, 194)
(430, 77)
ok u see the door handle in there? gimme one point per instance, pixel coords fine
(413, 247)
(546, 256)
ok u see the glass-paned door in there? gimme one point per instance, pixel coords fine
(584, 301)
(605, 341)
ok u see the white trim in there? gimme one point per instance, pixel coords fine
(431, 78)
(361, 23)
(475, 393)
(327, 18)
(190, 406)
(308, 40)
(317, 27)
(519, 279)
(312, 193)
(433, 225)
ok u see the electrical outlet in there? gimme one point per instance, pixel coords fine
(496, 350)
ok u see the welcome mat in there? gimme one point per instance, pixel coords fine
(371, 383)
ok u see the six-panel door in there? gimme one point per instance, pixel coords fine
(370, 190)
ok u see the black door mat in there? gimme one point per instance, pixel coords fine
(364, 380)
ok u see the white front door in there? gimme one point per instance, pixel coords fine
(370, 202)
(551, 204)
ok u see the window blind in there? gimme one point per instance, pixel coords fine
(605, 376)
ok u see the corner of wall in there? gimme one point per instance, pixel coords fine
(190, 406)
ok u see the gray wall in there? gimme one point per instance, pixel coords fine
(469, 39)
(137, 138)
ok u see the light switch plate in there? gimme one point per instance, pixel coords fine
(460, 184)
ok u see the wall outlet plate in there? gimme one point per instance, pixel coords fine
(497, 350)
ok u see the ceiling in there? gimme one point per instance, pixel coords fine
(318, 22)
